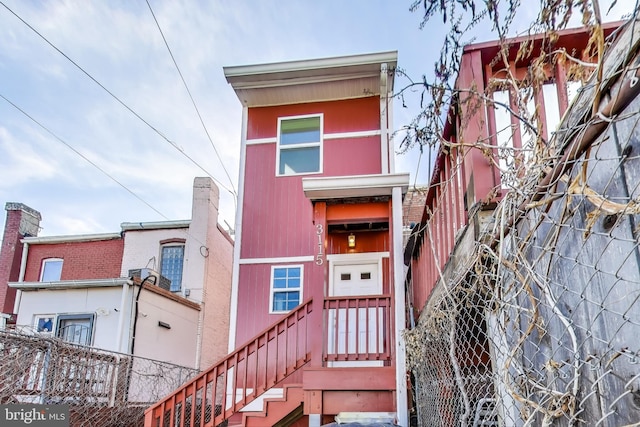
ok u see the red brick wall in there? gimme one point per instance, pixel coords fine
(10, 255)
(82, 260)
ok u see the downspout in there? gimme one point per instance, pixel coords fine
(123, 301)
(384, 120)
(400, 306)
(23, 269)
(135, 314)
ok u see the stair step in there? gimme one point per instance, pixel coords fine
(277, 409)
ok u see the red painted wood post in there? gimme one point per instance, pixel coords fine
(317, 286)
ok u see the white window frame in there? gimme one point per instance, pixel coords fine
(36, 322)
(319, 144)
(273, 290)
(45, 262)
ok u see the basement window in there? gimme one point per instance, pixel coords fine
(299, 145)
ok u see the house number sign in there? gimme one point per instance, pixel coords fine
(320, 254)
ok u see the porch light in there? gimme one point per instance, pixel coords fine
(351, 240)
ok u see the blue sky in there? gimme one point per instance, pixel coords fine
(119, 45)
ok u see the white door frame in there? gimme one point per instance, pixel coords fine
(353, 259)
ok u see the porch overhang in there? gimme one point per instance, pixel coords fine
(345, 187)
(71, 284)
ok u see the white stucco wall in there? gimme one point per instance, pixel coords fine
(104, 302)
(175, 345)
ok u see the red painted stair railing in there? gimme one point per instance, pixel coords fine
(216, 394)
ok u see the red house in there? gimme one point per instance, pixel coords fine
(317, 301)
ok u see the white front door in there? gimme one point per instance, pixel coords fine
(356, 279)
(358, 330)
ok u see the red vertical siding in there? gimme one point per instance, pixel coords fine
(477, 167)
(80, 259)
(349, 115)
(276, 216)
(353, 156)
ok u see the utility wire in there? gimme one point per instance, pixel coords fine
(82, 155)
(107, 174)
(173, 144)
(191, 96)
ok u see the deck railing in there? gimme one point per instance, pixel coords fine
(216, 394)
(357, 328)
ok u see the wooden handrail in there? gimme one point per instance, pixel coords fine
(216, 394)
(357, 328)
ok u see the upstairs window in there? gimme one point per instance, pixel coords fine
(51, 270)
(171, 263)
(286, 288)
(299, 145)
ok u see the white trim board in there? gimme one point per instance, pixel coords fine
(294, 259)
(338, 135)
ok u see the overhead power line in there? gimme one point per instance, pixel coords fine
(69, 146)
(95, 165)
(191, 97)
(173, 144)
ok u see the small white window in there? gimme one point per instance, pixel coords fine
(44, 323)
(286, 288)
(299, 145)
(51, 270)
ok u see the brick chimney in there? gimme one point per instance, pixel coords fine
(22, 221)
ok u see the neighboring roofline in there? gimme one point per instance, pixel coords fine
(155, 225)
(71, 284)
(538, 36)
(339, 187)
(72, 238)
(235, 72)
(171, 295)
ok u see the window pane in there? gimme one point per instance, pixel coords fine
(299, 160)
(76, 330)
(51, 270)
(300, 131)
(171, 265)
(285, 301)
(279, 272)
(45, 324)
(293, 283)
(279, 283)
(294, 272)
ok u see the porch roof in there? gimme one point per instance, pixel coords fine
(342, 187)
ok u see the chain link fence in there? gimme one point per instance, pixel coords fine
(102, 388)
(541, 326)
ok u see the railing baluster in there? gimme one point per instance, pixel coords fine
(244, 374)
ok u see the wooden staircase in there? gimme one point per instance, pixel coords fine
(216, 395)
(275, 358)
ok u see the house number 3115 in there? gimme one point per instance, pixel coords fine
(320, 254)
